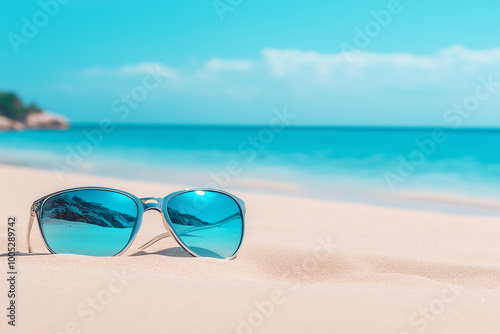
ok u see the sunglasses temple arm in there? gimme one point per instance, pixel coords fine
(155, 240)
(30, 225)
(161, 237)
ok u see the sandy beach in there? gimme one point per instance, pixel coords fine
(306, 266)
(362, 137)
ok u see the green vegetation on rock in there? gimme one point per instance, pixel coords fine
(12, 107)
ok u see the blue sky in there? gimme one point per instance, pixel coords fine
(89, 60)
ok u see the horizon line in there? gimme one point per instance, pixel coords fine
(227, 126)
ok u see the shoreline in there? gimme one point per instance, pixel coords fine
(431, 201)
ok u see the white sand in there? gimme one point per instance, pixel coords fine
(306, 266)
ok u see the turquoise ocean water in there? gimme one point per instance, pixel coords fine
(449, 170)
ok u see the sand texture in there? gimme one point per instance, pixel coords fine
(306, 266)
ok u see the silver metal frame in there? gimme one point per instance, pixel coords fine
(159, 204)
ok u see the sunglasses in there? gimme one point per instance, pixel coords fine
(99, 221)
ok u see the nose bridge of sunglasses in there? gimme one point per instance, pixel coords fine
(152, 203)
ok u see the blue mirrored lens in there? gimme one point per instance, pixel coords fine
(207, 222)
(88, 222)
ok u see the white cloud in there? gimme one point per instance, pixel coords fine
(144, 68)
(372, 88)
(297, 74)
(127, 70)
(283, 62)
(380, 70)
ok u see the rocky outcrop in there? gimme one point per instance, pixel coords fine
(15, 115)
(76, 209)
(37, 120)
(45, 120)
(10, 124)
